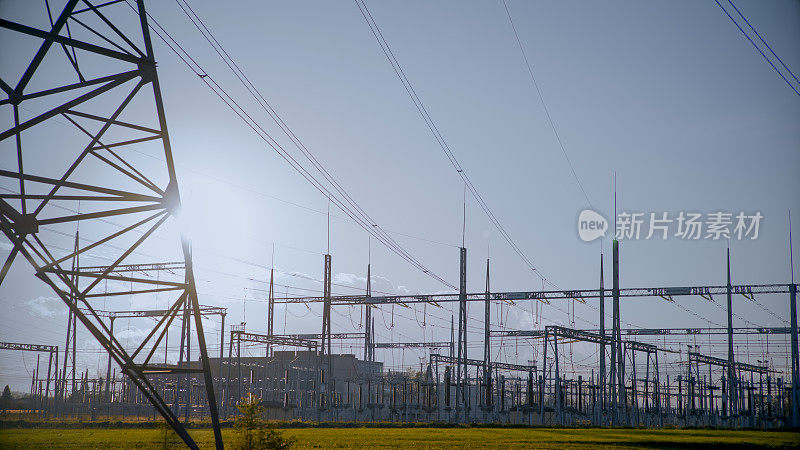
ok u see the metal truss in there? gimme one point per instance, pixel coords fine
(578, 335)
(243, 336)
(412, 344)
(29, 347)
(657, 331)
(636, 346)
(239, 335)
(203, 310)
(316, 336)
(588, 336)
(436, 358)
(704, 359)
(142, 268)
(94, 71)
(545, 296)
(630, 347)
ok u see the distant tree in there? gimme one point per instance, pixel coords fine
(6, 400)
(254, 432)
(415, 374)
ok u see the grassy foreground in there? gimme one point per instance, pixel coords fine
(413, 438)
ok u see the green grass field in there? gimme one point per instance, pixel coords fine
(450, 438)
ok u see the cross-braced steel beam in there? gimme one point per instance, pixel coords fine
(581, 295)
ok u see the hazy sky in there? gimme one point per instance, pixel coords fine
(669, 95)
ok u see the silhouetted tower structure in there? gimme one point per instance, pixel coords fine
(101, 174)
(368, 351)
(271, 309)
(461, 374)
(325, 341)
(72, 325)
(793, 323)
(603, 380)
(452, 337)
(487, 348)
(617, 357)
(733, 396)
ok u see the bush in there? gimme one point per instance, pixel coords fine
(253, 431)
(168, 438)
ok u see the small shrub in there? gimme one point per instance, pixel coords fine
(253, 431)
(167, 437)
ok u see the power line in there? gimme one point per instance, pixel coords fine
(263, 194)
(267, 107)
(356, 213)
(756, 46)
(764, 42)
(387, 51)
(544, 105)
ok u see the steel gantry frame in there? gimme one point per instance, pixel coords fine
(545, 296)
(618, 403)
(740, 366)
(239, 335)
(434, 359)
(733, 409)
(155, 313)
(95, 99)
(657, 331)
(616, 375)
(617, 372)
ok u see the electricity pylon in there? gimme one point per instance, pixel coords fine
(91, 69)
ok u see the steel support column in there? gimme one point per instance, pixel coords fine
(368, 320)
(617, 357)
(602, 380)
(732, 385)
(795, 357)
(487, 348)
(271, 309)
(461, 373)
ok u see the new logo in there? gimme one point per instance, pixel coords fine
(591, 225)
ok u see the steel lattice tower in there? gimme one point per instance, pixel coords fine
(91, 68)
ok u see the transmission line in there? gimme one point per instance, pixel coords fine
(387, 51)
(356, 213)
(544, 105)
(756, 46)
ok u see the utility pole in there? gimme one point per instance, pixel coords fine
(326, 323)
(72, 323)
(220, 387)
(487, 350)
(368, 320)
(108, 369)
(271, 309)
(732, 389)
(793, 322)
(188, 317)
(461, 375)
(603, 334)
(620, 357)
(795, 367)
(452, 337)
(372, 338)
